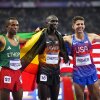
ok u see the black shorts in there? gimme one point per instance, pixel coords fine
(48, 75)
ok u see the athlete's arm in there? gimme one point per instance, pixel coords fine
(94, 37)
(2, 43)
(38, 29)
(68, 39)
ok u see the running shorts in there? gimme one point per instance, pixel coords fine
(48, 75)
(10, 79)
(86, 80)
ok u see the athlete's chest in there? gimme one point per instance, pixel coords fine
(81, 46)
(52, 42)
(13, 42)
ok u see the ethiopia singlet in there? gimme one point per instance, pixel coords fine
(82, 60)
(50, 54)
(10, 56)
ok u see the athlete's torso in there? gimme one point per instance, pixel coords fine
(10, 56)
(50, 55)
(82, 55)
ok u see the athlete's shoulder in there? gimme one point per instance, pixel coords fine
(92, 34)
(2, 38)
(67, 37)
(2, 43)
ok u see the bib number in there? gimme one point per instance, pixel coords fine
(43, 78)
(7, 79)
(81, 61)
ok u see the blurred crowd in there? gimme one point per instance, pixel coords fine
(31, 18)
(48, 0)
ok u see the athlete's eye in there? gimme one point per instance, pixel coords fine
(54, 21)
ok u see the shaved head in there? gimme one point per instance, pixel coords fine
(52, 22)
(51, 17)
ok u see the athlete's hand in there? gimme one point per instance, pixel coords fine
(68, 63)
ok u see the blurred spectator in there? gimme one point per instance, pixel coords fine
(31, 18)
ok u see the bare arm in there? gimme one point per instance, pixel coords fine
(68, 39)
(2, 43)
(94, 37)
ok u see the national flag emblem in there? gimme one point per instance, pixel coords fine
(29, 60)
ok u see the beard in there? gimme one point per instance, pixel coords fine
(53, 27)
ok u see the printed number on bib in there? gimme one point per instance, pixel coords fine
(15, 64)
(52, 58)
(7, 79)
(85, 60)
(43, 77)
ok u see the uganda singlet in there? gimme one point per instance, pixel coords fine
(83, 62)
(50, 55)
(10, 56)
(49, 69)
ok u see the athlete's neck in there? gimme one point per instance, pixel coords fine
(79, 36)
(51, 32)
(10, 36)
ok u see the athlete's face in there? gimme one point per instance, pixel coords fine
(13, 27)
(53, 23)
(79, 26)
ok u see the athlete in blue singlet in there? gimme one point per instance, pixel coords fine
(83, 63)
(84, 70)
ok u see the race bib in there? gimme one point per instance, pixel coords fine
(15, 64)
(52, 59)
(81, 61)
(43, 78)
(7, 79)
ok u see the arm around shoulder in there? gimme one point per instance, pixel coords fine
(68, 39)
(94, 37)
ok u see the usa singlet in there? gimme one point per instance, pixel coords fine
(83, 63)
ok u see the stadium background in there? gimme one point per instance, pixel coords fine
(32, 13)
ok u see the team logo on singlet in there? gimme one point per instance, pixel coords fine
(81, 49)
(8, 48)
(86, 42)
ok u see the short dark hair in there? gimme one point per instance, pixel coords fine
(77, 18)
(8, 21)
